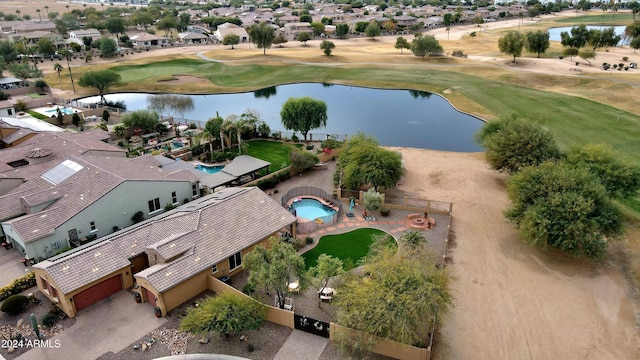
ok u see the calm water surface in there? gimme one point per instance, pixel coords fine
(554, 33)
(394, 117)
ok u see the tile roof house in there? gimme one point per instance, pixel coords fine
(146, 39)
(231, 29)
(76, 36)
(172, 257)
(59, 190)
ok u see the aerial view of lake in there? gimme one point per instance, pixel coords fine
(554, 33)
(394, 117)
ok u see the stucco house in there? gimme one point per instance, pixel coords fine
(170, 258)
(292, 30)
(76, 36)
(191, 38)
(64, 190)
(231, 29)
(146, 39)
(6, 108)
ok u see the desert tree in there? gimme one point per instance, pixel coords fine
(261, 35)
(226, 314)
(304, 37)
(512, 44)
(101, 80)
(425, 45)
(620, 179)
(303, 114)
(327, 267)
(537, 42)
(327, 47)
(275, 267)
(565, 207)
(231, 39)
(515, 144)
(372, 30)
(402, 43)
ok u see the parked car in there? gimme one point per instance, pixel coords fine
(633, 65)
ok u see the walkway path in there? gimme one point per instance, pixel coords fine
(302, 346)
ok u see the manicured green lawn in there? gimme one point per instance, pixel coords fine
(275, 152)
(349, 247)
(606, 18)
(37, 115)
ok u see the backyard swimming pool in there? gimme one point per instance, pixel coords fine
(312, 209)
(209, 169)
(65, 111)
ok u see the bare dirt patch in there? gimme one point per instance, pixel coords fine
(513, 301)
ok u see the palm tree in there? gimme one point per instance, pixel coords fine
(58, 68)
(413, 241)
(39, 16)
(211, 129)
(240, 125)
(18, 14)
(227, 128)
(64, 52)
(119, 131)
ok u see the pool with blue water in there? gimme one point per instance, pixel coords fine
(311, 209)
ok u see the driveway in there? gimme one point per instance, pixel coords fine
(109, 325)
(10, 266)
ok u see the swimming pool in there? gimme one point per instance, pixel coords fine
(209, 169)
(312, 209)
(64, 110)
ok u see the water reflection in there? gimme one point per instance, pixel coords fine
(393, 117)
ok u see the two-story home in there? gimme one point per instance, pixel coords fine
(170, 258)
(60, 190)
(231, 29)
(293, 30)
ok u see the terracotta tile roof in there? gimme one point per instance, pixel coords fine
(206, 231)
(74, 270)
(230, 220)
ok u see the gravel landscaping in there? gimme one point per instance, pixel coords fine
(9, 324)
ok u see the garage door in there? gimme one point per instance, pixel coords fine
(151, 298)
(97, 292)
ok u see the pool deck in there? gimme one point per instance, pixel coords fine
(47, 110)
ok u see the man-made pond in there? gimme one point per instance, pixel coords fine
(394, 117)
(554, 33)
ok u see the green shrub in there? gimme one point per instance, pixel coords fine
(137, 217)
(169, 207)
(294, 137)
(309, 147)
(14, 304)
(250, 347)
(330, 144)
(385, 211)
(248, 289)
(299, 243)
(48, 320)
(18, 285)
(308, 240)
(64, 249)
(275, 191)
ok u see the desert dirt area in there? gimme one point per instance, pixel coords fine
(512, 301)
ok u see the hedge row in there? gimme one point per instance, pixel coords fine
(18, 285)
(274, 180)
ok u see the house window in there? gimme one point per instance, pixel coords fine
(93, 225)
(154, 205)
(174, 197)
(235, 261)
(194, 189)
(214, 268)
(53, 292)
(9, 112)
(45, 285)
